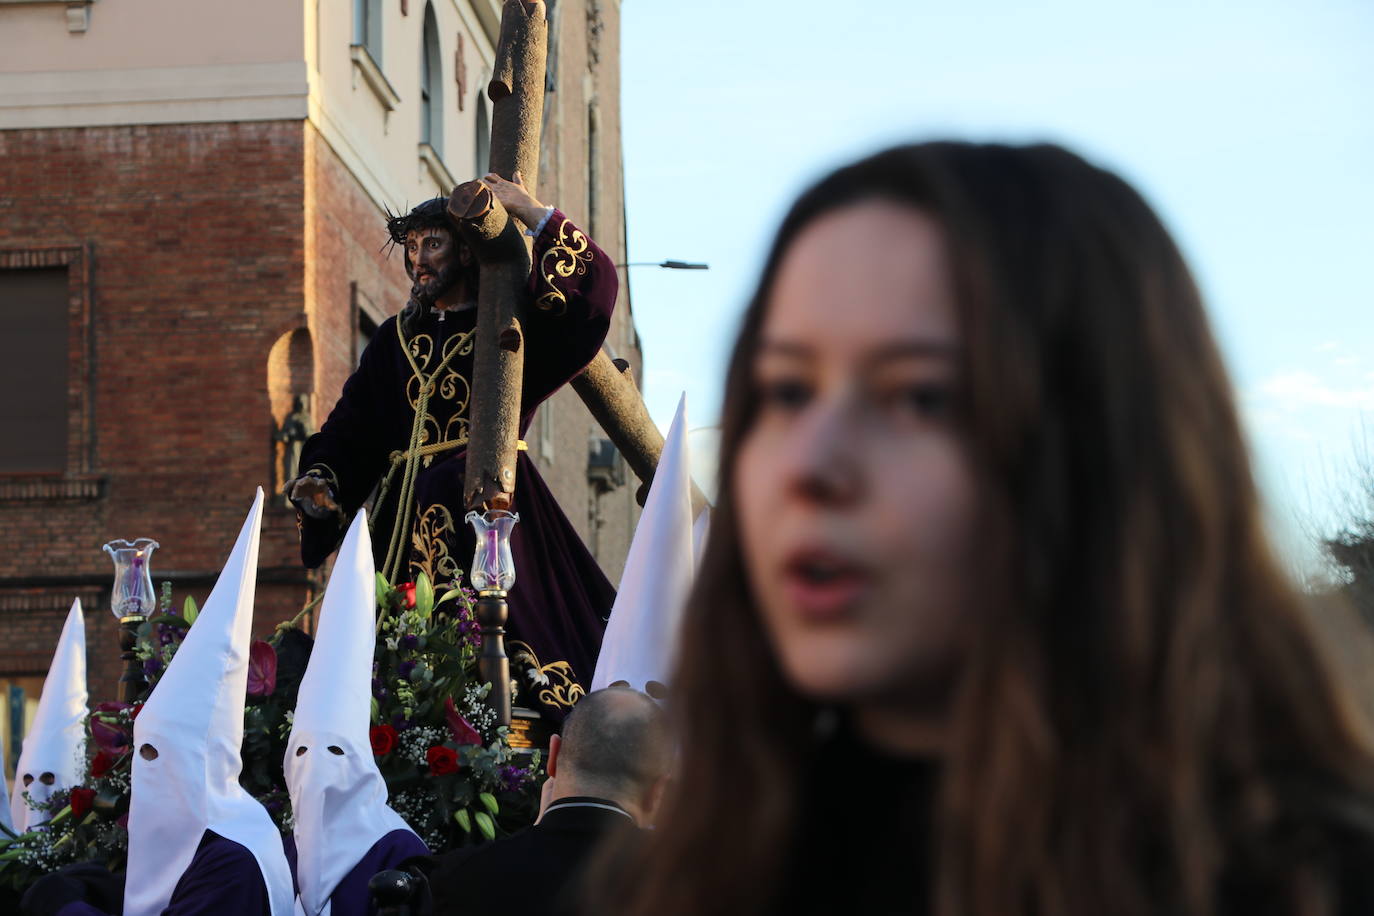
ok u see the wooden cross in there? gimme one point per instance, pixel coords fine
(517, 94)
(503, 253)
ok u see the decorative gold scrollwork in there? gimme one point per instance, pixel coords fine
(451, 387)
(429, 546)
(556, 682)
(570, 254)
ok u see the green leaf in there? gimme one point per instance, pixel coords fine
(489, 801)
(376, 711)
(464, 820)
(447, 596)
(383, 590)
(424, 596)
(189, 611)
(485, 824)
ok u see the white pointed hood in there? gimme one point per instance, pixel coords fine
(641, 639)
(194, 720)
(338, 795)
(54, 742)
(5, 788)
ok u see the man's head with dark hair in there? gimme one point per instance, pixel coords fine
(614, 745)
(436, 258)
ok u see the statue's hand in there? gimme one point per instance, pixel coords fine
(312, 496)
(516, 198)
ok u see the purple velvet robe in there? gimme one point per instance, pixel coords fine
(561, 599)
(223, 879)
(351, 897)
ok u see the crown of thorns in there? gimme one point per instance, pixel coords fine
(432, 214)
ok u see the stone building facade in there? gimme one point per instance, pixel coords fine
(192, 198)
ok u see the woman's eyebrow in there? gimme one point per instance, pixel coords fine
(919, 348)
(892, 351)
(786, 348)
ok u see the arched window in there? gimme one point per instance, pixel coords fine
(483, 136)
(367, 27)
(593, 169)
(431, 86)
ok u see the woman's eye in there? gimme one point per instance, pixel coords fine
(928, 400)
(787, 394)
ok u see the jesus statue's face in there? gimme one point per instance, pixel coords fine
(436, 263)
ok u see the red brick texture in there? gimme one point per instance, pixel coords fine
(194, 241)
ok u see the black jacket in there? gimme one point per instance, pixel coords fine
(533, 871)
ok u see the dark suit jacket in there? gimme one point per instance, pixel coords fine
(533, 871)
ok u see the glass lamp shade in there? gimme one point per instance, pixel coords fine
(493, 567)
(132, 594)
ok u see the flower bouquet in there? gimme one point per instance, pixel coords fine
(450, 770)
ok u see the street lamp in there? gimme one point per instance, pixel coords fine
(669, 265)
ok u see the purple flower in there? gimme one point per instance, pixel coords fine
(410, 641)
(262, 669)
(399, 722)
(152, 668)
(378, 689)
(109, 738)
(403, 670)
(512, 777)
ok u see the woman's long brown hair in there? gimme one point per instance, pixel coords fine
(1146, 720)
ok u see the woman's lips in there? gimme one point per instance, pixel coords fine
(823, 586)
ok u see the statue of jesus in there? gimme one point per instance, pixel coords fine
(559, 605)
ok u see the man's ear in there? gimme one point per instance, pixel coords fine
(653, 798)
(465, 256)
(555, 743)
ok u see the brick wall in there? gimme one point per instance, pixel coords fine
(215, 271)
(193, 239)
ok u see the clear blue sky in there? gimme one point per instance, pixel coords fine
(1250, 127)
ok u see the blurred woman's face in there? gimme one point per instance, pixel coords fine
(855, 494)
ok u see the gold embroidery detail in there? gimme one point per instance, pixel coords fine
(568, 255)
(450, 385)
(557, 680)
(429, 551)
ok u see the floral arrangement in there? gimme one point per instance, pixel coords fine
(450, 770)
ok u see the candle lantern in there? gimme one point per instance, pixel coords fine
(132, 599)
(493, 573)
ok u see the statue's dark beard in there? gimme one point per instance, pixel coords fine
(429, 292)
(424, 295)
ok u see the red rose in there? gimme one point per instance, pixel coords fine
(442, 760)
(383, 739)
(137, 708)
(101, 764)
(407, 590)
(81, 801)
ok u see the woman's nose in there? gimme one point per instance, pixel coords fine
(824, 460)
